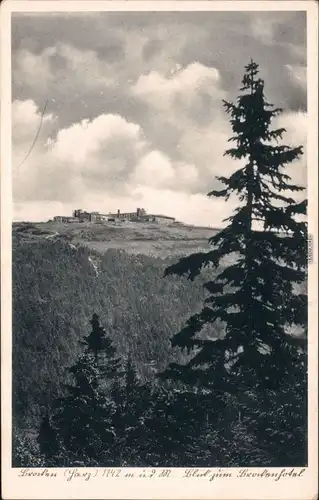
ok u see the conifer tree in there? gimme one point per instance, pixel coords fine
(173, 426)
(101, 345)
(47, 439)
(254, 296)
(84, 416)
(133, 400)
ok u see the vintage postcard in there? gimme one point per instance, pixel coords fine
(159, 169)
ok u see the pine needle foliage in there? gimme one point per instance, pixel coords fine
(255, 295)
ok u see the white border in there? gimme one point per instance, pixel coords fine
(15, 487)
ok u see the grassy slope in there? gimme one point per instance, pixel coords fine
(135, 238)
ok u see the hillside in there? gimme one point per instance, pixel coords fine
(133, 237)
(59, 280)
(63, 273)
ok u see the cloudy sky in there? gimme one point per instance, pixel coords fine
(134, 114)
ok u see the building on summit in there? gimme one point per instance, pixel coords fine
(162, 219)
(140, 215)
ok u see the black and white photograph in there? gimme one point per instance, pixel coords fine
(160, 241)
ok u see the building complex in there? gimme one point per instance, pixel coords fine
(140, 215)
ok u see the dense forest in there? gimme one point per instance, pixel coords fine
(56, 290)
(123, 360)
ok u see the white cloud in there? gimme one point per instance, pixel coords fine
(79, 142)
(179, 89)
(25, 113)
(190, 208)
(296, 125)
(34, 70)
(187, 105)
(156, 129)
(89, 71)
(27, 125)
(263, 29)
(187, 175)
(298, 74)
(154, 169)
(107, 163)
(73, 69)
(41, 211)
(83, 165)
(157, 170)
(180, 80)
(26, 119)
(90, 155)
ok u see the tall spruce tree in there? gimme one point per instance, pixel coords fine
(254, 295)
